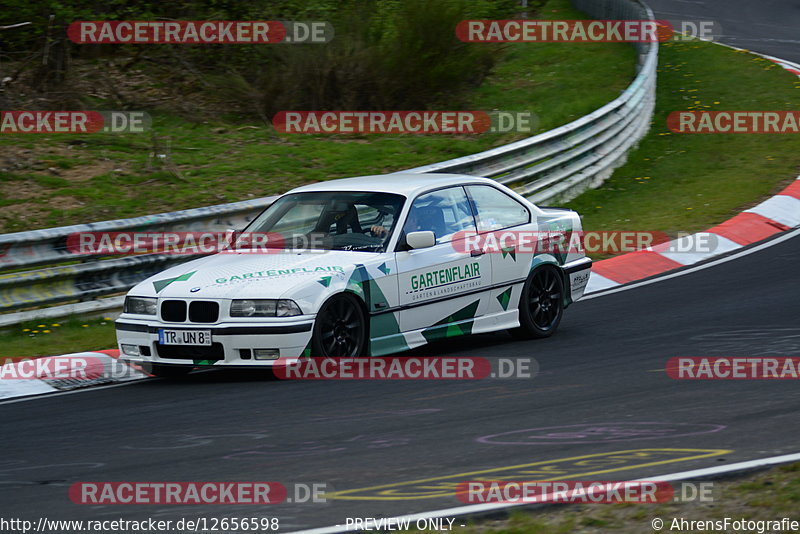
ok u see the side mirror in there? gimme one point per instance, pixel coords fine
(424, 239)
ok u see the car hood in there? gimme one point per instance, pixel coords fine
(239, 275)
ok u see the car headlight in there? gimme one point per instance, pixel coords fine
(140, 305)
(264, 308)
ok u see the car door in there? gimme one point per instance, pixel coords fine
(440, 286)
(507, 219)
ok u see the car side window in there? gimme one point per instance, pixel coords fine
(444, 212)
(495, 210)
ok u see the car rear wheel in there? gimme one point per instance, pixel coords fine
(340, 330)
(541, 304)
(166, 371)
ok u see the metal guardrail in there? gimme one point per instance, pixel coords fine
(89, 277)
(553, 166)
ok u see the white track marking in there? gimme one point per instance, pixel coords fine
(599, 282)
(488, 507)
(780, 208)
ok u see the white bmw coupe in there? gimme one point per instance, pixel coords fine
(361, 267)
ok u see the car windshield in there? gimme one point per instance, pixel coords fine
(329, 220)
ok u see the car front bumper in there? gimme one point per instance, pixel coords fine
(233, 344)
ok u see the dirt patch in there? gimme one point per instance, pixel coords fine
(15, 159)
(65, 203)
(21, 190)
(15, 217)
(44, 159)
(82, 173)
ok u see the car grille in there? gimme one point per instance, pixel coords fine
(203, 311)
(215, 352)
(200, 311)
(173, 311)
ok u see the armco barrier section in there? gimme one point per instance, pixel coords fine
(89, 277)
(550, 167)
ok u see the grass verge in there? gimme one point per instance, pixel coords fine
(764, 496)
(52, 180)
(690, 182)
(54, 337)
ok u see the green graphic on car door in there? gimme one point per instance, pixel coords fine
(384, 330)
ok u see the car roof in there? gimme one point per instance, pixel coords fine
(407, 184)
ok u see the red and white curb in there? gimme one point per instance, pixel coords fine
(794, 68)
(41, 375)
(773, 216)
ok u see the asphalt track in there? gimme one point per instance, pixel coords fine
(765, 26)
(601, 385)
(601, 378)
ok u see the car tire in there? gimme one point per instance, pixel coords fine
(340, 329)
(541, 304)
(171, 372)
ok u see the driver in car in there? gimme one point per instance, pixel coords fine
(418, 219)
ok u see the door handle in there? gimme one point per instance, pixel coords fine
(476, 253)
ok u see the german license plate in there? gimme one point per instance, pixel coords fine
(184, 337)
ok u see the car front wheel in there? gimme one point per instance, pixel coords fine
(340, 329)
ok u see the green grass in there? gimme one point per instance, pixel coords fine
(681, 182)
(768, 495)
(111, 176)
(53, 337)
